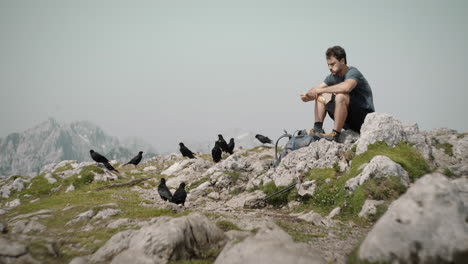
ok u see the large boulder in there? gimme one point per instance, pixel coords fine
(380, 127)
(270, 245)
(379, 167)
(428, 224)
(163, 240)
(319, 154)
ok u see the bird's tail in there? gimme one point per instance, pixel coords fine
(109, 167)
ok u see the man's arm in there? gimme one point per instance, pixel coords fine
(310, 95)
(343, 87)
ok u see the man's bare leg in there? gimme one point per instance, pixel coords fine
(320, 111)
(341, 111)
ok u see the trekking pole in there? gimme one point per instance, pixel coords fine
(281, 191)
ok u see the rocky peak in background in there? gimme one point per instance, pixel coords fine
(27, 152)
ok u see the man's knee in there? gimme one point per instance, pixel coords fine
(342, 99)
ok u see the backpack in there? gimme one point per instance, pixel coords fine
(299, 139)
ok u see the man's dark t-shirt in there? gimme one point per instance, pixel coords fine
(361, 95)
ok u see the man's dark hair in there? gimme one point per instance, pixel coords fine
(337, 52)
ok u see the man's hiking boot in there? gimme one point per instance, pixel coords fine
(332, 136)
(316, 132)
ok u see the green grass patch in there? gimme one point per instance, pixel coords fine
(82, 200)
(296, 231)
(235, 176)
(332, 194)
(461, 135)
(320, 175)
(446, 147)
(63, 168)
(448, 172)
(384, 188)
(197, 183)
(279, 199)
(266, 157)
(39, 186)
(227, 225)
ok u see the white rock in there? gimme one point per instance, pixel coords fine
(177, 167)
(27, 226)
(306, 188)
(254, 199)
(82, 217)
(49, 178)
(106, 213)
(269, 245)
(70, 188)
(369, 208)
(13, 203)
(379, 167)
(119, 222)
(380, 127)
(319, 154)
(428, 223)
(150, 168)
(312, 217)
(166, 238)
(336, 211)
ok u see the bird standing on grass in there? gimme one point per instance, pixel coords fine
(185, 151)
(101, 159)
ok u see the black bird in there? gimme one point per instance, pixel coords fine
(136, 159)
(109, 166)
(179, 195)
(164, 191)
(216, 152)
(231, 146)
(98, 157)
(185, 151)
(263, 139)
(222, 143)
(101, 159)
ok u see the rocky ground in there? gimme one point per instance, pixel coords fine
(392, 194)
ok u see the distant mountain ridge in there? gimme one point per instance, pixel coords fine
(27, 152)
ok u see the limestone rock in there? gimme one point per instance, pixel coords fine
(427, 224)
(319, 154)
(27, 226)
(270, 245)
(379, 167)
(369, 208)
(11, 248)
(255, 199)
(13, 203)
(165, 239)
(313, 217)
(380, 127)
(106, 213)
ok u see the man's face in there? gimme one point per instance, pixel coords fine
(335, 66)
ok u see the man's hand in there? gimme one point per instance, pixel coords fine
(306, 98)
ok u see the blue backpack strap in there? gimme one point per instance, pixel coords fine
(293, 147)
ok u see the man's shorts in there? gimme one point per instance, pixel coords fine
(356, 114)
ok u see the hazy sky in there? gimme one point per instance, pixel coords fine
(168, 71)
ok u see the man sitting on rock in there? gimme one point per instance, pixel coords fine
(344, 94)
